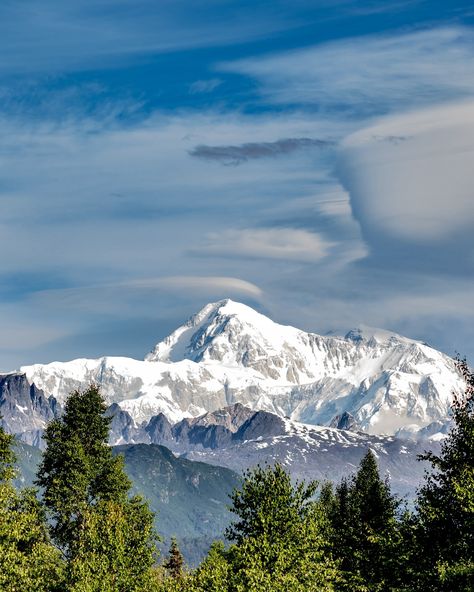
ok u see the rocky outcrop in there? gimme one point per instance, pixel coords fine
(24, 408)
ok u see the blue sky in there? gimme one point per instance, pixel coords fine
(312, 159)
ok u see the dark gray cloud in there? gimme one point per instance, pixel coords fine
(235, 155)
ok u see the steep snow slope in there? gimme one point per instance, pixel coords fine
(229, 353)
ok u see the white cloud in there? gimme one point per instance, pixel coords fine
(139, 296)
(209, 285)
(411, 182)
(369, 74)
(290, 244)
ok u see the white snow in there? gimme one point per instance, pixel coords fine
(230, 353)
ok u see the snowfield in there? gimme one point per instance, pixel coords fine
(230, 353)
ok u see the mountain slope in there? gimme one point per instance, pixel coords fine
(189, 498)
(229, 353)
(239, 438)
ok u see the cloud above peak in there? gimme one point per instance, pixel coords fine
(290, 244)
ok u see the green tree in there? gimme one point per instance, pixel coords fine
(78, 469)
(213, 574)
(28, 561)
(278, 537)
(446, 502)
(365, 532)
(175, 562)
(107, 538)
(115, 549)
(7, 456)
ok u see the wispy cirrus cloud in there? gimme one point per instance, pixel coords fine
(112, 298)
(204, 86)
(370, 74)
(112, 180)
(80, 35)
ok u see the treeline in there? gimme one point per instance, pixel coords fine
(84, 533)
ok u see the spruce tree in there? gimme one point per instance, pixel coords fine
(446, 502)
(175, 562)
(365, 535)
(78, 469)
(278, 535)
(107, 538)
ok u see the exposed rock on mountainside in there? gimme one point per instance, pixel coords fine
(376, 381)
(308, 452)
(24, 408)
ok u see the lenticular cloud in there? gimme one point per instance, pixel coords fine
(411, 183)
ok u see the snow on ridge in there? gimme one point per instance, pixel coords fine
(229, 353)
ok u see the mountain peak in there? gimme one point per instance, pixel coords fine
(229, 353)
(364, 333)
(219, 331)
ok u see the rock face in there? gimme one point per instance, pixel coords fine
(24, 408)
(238, 438)
(346, 421)
(228, 353)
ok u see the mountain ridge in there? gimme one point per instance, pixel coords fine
(229, 353)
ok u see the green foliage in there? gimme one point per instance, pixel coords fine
(213, 574)
(268, 504)
(107, 538)
(175, 562)
(446, 502)
(7, 456)
(78, 469)
(353, 538)
(28, 561)
(279, 542)
(365, 534)
(115, 550)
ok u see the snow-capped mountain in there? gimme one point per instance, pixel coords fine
(229, 353)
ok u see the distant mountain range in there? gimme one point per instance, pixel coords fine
(238, 437)
(228, 353)
(232, 388)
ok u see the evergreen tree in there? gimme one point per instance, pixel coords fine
(365, 532)
(279, 542)
(268, 504)
(78, 469)
(107, 538)
(446, 502)
(175, 562)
